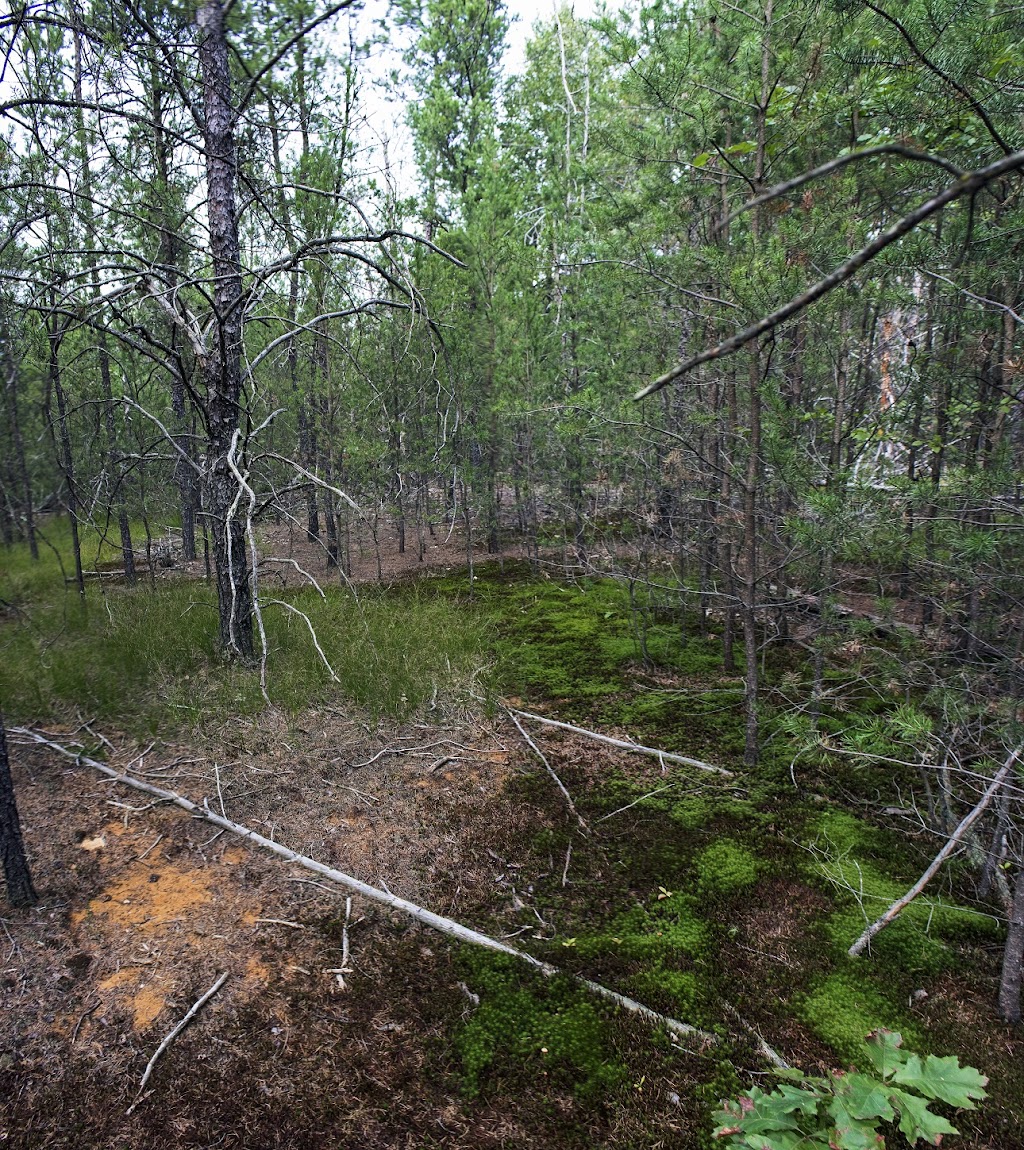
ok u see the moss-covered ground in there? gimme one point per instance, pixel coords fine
(727, 903)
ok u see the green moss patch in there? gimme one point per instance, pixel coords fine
(548, 1028)
(845, 1007)
(726, 868)
(851, 856)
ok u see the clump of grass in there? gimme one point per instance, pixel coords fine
(146, 656)
(391, 656)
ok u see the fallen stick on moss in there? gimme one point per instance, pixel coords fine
(551, 771)
(623, 744)
(682, 1030)
(195, 1009)
(951, 844)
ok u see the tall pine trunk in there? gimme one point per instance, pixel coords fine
(222, 369)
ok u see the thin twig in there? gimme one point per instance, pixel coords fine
(550, 770)
(81, 1018)
(642, 798)
(196, 1007)
(156, 842)
(622, 744)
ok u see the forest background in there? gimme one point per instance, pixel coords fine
(238, 344)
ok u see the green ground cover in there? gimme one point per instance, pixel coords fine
(661, 898)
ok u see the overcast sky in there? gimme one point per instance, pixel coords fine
(524, 14)
(386, 119)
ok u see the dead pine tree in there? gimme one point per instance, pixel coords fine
(20, 891)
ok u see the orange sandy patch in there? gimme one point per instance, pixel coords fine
(147, 996)
(148, 898)
(255, 970)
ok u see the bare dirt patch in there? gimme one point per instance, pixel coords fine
(142, 907)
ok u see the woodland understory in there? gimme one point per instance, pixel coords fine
(484, 731)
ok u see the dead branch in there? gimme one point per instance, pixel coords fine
(550, 770)
(623, 744)
(951, 843)
(447, 926)
(196, 1007)
(968, 184)
(767, 1052)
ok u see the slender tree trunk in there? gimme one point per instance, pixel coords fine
(222, 370)
(20, 467)
(751, 560)
(185, 476)
(112, 460)
(55, 336)
(20, 891)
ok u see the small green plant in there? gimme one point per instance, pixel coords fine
(844, 1111)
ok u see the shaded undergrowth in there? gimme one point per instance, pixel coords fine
(699, 900)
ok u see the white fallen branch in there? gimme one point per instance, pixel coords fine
(767, 1051)
(623, 744)
(951, 844)
(195, 1009)
(550, 770)
(447, 926)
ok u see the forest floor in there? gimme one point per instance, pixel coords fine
(703, 903)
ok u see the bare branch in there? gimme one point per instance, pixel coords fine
(622, 744)
(836, 165)
(951, 844)
(447, 926)
(979, 111)
(967, 185)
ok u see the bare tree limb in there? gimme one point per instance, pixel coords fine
(558, 782)
(951, 844)
(447, 926)
(834, 166)
(623, 744)
(968, 184)
(979, 111)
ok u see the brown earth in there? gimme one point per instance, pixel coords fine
(141, 908)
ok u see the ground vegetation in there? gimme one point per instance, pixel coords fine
(678, 403)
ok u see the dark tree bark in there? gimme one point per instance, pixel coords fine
(222, 369)
(20, 891)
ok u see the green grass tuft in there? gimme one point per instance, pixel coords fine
(146, 657)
